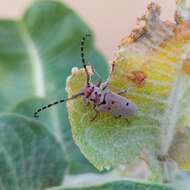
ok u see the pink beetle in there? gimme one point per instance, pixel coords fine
(99, 95)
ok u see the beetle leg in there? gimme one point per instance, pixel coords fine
(86, 102)
(99, 83)
(125, 90)
(127, 121)
(96, 113)
(97, 74)
(117, 117)
(122, 92)
(105, 85)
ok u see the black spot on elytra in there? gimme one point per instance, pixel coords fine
(127, 104)
(104, 102)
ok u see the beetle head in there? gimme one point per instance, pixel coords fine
(88, 90)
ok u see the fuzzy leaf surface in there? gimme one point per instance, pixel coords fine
(154, 69)
(30, 156)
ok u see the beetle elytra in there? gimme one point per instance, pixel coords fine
(99, 95)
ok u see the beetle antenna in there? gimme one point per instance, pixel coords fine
(83, 58)
(55, 103)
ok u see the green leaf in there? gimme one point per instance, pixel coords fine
(123, 185)
(77, 162)
(30, 156)
(26, 108)
(155, 70)
(107, 141)
(36, 56)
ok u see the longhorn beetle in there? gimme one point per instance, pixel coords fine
(99, 95)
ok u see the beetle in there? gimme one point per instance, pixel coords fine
(99, 96)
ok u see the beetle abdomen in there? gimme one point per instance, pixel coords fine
(117, 105)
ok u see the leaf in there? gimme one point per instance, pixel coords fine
(152, 64)
(106, 141)
(123, 185)
(30, 156)
(77, 162)
(26, 108)
(36, 56)
(181, 184)
(180, 149)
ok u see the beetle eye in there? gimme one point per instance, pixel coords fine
(95, 93)
(127, 104)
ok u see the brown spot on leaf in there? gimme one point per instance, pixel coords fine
(138, 77)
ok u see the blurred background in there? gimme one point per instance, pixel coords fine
(109, 19)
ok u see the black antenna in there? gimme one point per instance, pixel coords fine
(83, 58)
(76, 95)
(55, 103)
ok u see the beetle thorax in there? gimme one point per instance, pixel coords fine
(93, 94)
